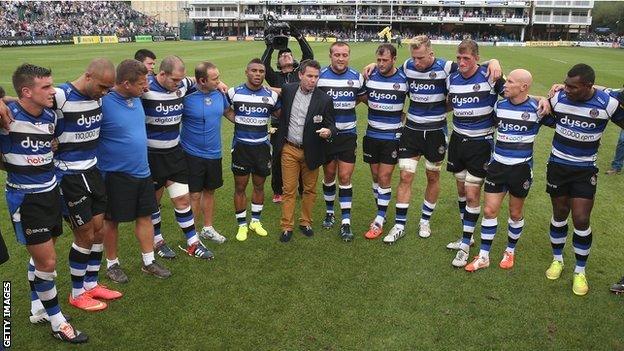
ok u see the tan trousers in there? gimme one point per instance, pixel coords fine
(293, 164)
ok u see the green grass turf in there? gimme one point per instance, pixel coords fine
(321, 293)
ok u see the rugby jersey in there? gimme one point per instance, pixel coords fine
(201, 123)
(579, 127)
(27, 150)
(253, 109)
(386, 98)
(78, 127)
(163, 112)
(516, 130)
(344, 88)
(427, 92)
(473, 100)
(123, 140)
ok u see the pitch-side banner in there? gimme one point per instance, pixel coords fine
(87, 39)
(549, 43)
(96, 39)
(143, 38)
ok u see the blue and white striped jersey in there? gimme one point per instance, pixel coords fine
(517, 127)
(78, 128)
(427, 92)
(27, 150)
(473, 102)
(579, 127)
(386, 98)
(253, 109)
(344, 89)
(163, 113)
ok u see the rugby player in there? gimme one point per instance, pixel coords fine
(163, 104)
(472, 96)
(32, 192)
(251, 107)
(581, 114)
(386, 89)
(510, 170)
(148, 58)
(346, 87)
(78, 108)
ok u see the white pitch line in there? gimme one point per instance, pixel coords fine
(559, 60)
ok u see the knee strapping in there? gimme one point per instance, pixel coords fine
(177, 190)
(408, 164)
(430, 166)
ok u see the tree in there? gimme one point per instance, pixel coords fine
(609, 14)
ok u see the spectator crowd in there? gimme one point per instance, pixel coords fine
(69, 18)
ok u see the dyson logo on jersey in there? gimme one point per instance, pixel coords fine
(35, 145)
(252, 109)
(510, 127)
(340, 93)
(165, 109)
(379, 96)
(421, 86)
(574, 123)
(88, 121)
(460, 101)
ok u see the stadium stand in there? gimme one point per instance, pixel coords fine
(69, 18)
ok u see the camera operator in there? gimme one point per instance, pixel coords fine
(288, 72)
(287, 67)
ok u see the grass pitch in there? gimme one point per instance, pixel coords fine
(321, 293)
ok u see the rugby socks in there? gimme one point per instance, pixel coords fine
(383, 199)
(241, 217)
(401, 215)
(345, 196)
(329, 193)
(514, 229)
(78, 260)
(93, 266)
(581, 240)
(256, 211)
(375, 190)
(427, 211)
(470, 221)
(156, 223)
(558, 233)
(185, 220)
(461, 203)
(488, 231)
(46, 291)
(110, 263)
(35, 303)
(148, 258)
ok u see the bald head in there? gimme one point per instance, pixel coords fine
(98, 79)
(522, 75)
(518, 84)
(100, 67)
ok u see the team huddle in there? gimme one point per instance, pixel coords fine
(101, 150)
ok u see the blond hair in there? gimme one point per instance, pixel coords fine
(419, 41)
